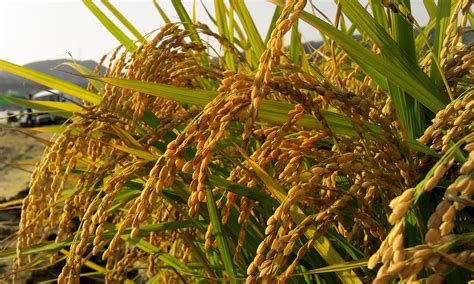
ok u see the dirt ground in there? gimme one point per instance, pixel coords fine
(16, 149)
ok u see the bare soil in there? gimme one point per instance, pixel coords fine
(18, 155)
(17, 150)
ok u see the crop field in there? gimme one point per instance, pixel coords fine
(256, 160)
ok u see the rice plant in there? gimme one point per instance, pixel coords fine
(350, 164)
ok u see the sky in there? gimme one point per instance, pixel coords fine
(34, 30)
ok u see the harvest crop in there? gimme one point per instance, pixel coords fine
(353, 163)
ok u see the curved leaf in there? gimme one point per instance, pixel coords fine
(123, 20)
(272, 111)
(99, 86)
(110, 26)
(50, 81)
(420, 88)
(58, 108)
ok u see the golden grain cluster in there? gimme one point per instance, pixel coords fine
(134, 156)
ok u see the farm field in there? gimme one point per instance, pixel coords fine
(217, 153)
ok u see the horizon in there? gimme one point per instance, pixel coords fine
(25, 22)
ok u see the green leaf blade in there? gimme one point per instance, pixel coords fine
(50, 81)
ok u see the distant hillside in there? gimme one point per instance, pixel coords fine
(12, 82)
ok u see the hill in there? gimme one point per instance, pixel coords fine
(16, 83)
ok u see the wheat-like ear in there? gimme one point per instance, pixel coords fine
(268, 164)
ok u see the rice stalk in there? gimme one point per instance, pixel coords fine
(175, 141)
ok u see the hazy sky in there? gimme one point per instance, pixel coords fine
(36, 30)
